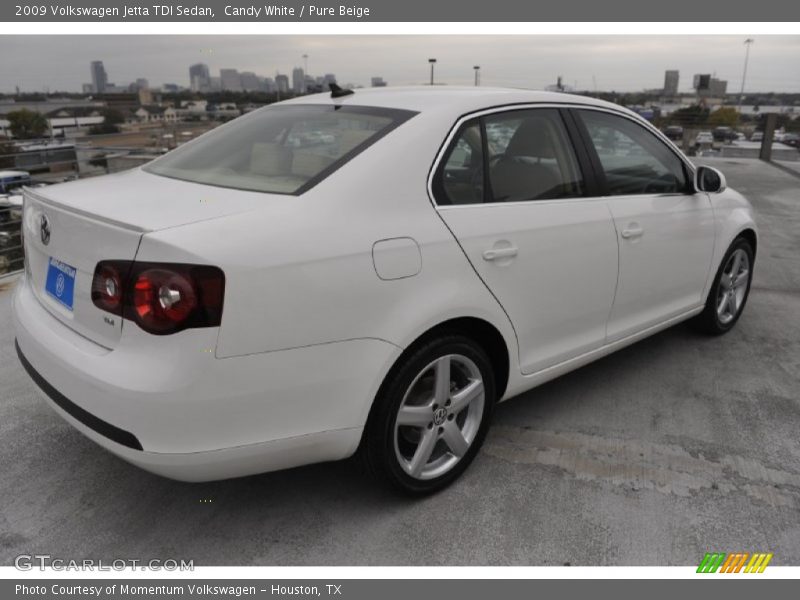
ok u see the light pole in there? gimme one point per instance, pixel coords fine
(433, 62)
(477, 76)
(747, 44)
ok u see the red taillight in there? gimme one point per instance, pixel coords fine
(107, 286)
(161, 298)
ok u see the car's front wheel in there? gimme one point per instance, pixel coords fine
(431, 415)
(728, 294)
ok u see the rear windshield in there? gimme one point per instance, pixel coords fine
(280, 149)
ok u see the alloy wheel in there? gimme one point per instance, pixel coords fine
(733, 286)
(439, 417)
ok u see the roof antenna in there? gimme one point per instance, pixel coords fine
(337, 92)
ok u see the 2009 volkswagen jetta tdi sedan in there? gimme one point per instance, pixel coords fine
(367, 272)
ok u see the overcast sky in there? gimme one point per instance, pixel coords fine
(623, 63)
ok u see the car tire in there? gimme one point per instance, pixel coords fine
(729, 291)
(435, 416)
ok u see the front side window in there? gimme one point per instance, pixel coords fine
(634, 161)
(280, 149)
(514, 156)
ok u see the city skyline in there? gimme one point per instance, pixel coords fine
(621, 63)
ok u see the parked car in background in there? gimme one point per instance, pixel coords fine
(674, 132)
(704, 137)
(245, 304)
(792, 139)
(757, 136)
(13, 180)
(723, 134)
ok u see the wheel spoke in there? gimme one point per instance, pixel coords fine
(442, 393)
(741, 279)
(726, 281)
(414, 416)
(737, 262)
(723, 302)
(454, 439)
(464, 397)
(732, 304)
(422, 453)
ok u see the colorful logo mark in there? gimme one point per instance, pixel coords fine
(734, 563)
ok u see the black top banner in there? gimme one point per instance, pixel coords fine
(403, 11)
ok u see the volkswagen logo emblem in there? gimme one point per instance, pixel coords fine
(44, 229)
(439, 416)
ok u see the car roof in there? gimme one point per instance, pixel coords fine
(14, 174)
(452, 99)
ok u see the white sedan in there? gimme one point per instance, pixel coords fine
(368, 273)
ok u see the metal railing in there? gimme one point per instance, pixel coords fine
(11, 250)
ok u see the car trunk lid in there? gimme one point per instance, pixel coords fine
(69, 228)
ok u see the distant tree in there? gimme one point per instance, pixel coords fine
(727, 116)
(25, 124)
(112, 118)
(690, 115)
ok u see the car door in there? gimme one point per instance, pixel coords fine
(511, 189)
(665, 227)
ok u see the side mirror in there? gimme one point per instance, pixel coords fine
(709, 180)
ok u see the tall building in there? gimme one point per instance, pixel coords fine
(142, 83)
(378, 82)
(717, 87)
(298, 80)
(145, 96)
(250, 82)
(671, 79)
(706, 85)
(231, 80)
(329, 78)
(99, 77)
(199, 77)
(282, 83)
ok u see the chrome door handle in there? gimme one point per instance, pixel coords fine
(632, 232)
(497, 253)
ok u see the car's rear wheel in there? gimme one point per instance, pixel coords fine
(430, 416)
(728, 294)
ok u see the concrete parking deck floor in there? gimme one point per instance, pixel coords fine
(676, 446)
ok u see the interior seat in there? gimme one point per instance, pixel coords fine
(519, 173)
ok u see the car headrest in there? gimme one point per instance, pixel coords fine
(532, 138)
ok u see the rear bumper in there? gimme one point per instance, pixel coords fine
(115, 434)
(167, 404)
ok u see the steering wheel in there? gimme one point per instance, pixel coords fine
(661, 185)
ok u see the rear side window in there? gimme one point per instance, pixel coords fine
(514, 156)
(461, 177)
(530, 157)
(280, 149)
(634, 160)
